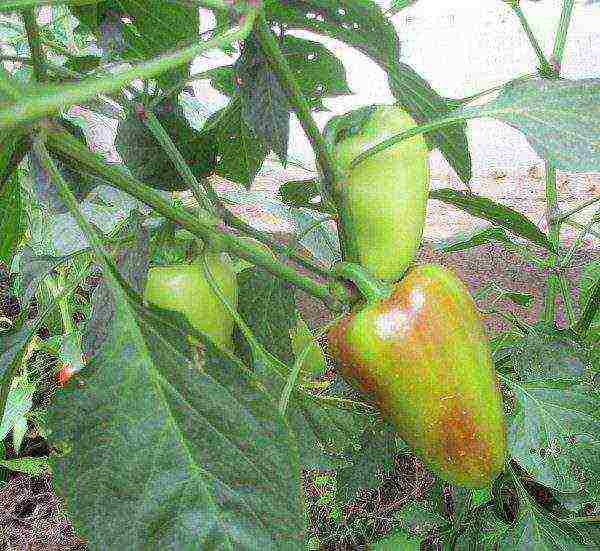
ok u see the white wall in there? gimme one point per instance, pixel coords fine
(462, 47)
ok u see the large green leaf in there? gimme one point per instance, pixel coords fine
(535, 530)
(477, 238)
(542, 355)
(79, 181)
(553, 431)
(159, 27)
(193, 459)
(12, 226)
(417, 96)
(498, 214)
(560, 118)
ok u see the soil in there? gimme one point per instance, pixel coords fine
(31, 516)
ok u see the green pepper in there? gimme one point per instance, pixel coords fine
(185, 289)
(382, 201)
(422, 355)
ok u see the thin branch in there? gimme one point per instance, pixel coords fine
(35, 45)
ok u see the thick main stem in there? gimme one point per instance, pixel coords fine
(555, 284)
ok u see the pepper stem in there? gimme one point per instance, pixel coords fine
(371, 288)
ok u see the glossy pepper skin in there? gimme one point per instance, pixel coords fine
(185, 289)
(384, 198)
(423, 357)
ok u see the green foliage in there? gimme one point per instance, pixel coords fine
(199, 447)
(143, 155)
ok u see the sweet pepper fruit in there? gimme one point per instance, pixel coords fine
(382, 201)
(185, 289)
(423, 357)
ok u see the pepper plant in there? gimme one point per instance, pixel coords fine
(188, 403)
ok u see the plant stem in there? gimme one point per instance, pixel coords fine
(16, 59)
(11, 5)
(297, 101)
(478, 95)
(561, 34)
(55, 288)
(38, 106)
(237, 223)
(554, 237)
(554, 280)
(579, 226)
(584, 231)
(567, 301)
(35, 44)
(544, 63)
(578, 208)
(415, 131)
(165, 141)
(66, 145)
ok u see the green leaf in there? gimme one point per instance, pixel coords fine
(268, 307)
(300, 193)
(32, 466)
(80, 182)
(314, 363)
(146, 159)
(193, 460)
(417, 96)
(19, 431)
(482, 532)
(265, 107)
(159, 28)
(560, 119)
(421, 519)
(398, 5)
(20, 401)
(33, 269)
(479, 237)
(322, 241)
(535, 529)
(12, 226)
(83, 64)
(240, 153)
(552, 433)
(359, 23)
(319, 73)
(482, 207)
(589, 298)
(398, 541)
(363, 25)
(542, 355)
